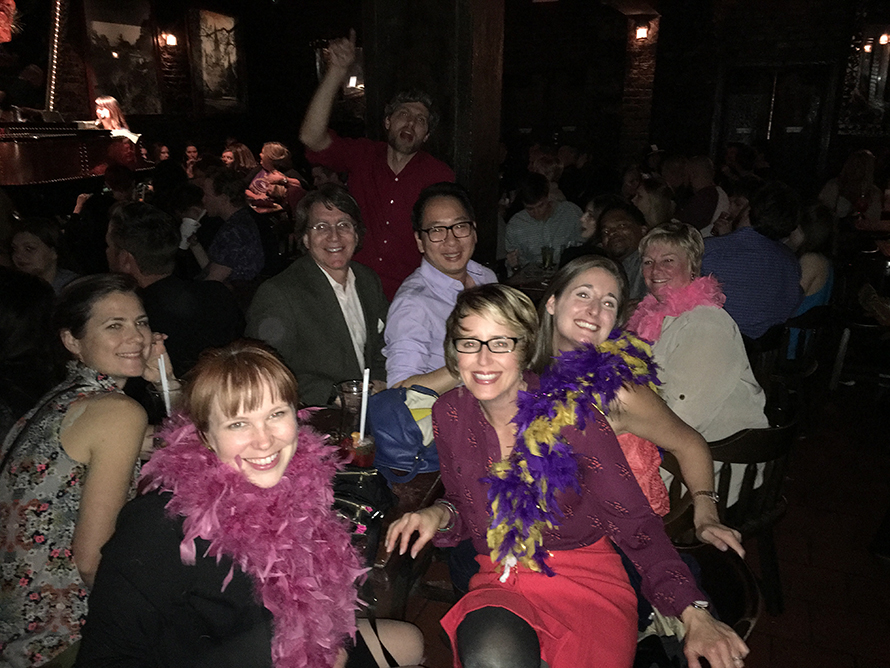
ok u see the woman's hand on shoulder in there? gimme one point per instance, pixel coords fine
(721, 537)
(713, 640)
(425, 522)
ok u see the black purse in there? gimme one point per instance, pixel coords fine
(362, 497)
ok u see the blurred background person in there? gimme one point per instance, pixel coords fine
(109, 115)
(38, 249)
(27, 359)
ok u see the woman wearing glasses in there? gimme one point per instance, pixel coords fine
(540, 484)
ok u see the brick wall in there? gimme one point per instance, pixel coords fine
(636, 104)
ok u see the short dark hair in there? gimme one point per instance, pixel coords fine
(533, 189)
(442, 189)
(745, 157)
(228, 183)
(74, 305)
(331, 195)
(413, 95)
(45, 229)
(120, 178)
(745, 187)
(185, 197)
(148, 234)
(775, 210)
(623, 208)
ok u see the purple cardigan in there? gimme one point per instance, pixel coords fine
(611, 503)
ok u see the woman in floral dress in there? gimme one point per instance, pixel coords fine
(67, 467)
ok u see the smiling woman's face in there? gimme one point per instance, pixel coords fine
(665, 267)
(586, 311)
(259, 443)
(116, 340)
(493, 378)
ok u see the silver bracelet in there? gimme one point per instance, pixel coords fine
(452, 512)
(711, 495)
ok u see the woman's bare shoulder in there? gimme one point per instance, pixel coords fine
(99, 419)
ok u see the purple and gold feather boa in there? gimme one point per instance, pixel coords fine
(523, 488)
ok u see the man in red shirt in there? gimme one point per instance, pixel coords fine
(384, 177)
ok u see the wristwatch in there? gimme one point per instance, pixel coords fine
(701, 605)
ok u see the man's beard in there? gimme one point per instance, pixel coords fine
(400, 146)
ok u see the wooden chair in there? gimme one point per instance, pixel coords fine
(859, 331)
(730, 584)
(757, 509)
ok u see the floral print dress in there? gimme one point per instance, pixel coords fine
(43, 601)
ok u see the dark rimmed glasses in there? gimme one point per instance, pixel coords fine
(498, 345)
(438, 233)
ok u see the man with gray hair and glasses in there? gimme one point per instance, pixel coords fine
(325, 313)
(445, 233)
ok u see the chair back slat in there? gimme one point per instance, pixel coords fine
(754, 445)
(764, 453)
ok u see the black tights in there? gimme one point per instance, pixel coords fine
(496, 638)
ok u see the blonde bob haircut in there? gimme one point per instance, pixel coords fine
(234, 378)
(502, 304)
(679, 235)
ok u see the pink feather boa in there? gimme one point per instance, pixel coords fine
(286, 537)
(647, 320)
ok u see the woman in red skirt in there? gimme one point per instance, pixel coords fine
(537, 480)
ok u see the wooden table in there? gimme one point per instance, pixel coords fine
(392, 576)
(532, 280)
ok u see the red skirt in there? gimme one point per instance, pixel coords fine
(585, 615)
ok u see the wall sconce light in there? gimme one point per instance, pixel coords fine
(169, 39)
(867, 48)
(883, 39)
(642, 30)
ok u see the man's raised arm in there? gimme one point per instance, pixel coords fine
(314, 131)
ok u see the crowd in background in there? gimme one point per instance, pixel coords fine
(355, 260)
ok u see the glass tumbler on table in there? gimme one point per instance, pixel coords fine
(358, 452)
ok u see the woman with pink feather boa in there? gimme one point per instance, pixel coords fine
(231, 554)
(706, 377)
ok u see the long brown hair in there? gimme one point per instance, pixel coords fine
(559, 284)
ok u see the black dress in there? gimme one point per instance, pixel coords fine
(149, 610)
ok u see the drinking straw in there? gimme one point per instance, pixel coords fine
(366, 379)
(165, 386)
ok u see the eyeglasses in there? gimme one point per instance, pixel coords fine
(439, 232)
(499, 345)
(343, 227)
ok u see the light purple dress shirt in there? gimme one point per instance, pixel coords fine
(415, 326)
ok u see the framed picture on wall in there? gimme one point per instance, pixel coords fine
(122, 59)
(217, 58)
